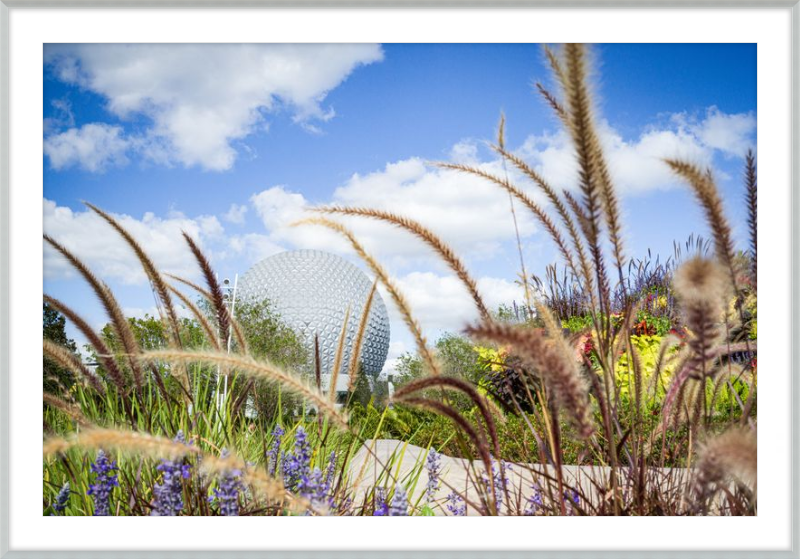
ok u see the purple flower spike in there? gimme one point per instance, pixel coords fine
(399, 506)
(572, 499)
(274, 450)
(456, 505)
(433, 465)
(226, 494)
(296, 466)
(381, 506)
(105, 480)
(169, 493)
(500, 482)
(534, 503)
(331, 471)
(61, 499)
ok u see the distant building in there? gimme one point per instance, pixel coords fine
(311, 291)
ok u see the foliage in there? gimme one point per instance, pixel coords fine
(645, 372)
(577, 324)
(647, 348)
(56, 379)
(270, 338)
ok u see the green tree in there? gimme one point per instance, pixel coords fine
(457, 358)
(455, 354)
(53, 329)
(150, 333)
(268, 337)
(407, 368)
(362, 390)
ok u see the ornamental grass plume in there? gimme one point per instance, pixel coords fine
(119, 323)
(751, 184)
(159, 285)
(68, 360)
(355, 360)
(391, 287)
(702, 281)
(447, 254)
(169, 493)
(217, 298)
(701, 285)
(104, 353)
(105, 481)
(732, 454)
(557, 368)
(707, 194)
(260, 370)
(143, 444)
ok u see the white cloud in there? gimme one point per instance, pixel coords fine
(62, 116)
(637, 165)
(202, 98)
(92, 147)
(102, 249)
(465, 151)
(278, 207)
(442, 303)
(254, 247)
(236, 214)
(468, 213)
(731, 134)
(396, 349)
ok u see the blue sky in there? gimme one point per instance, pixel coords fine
(231, 143)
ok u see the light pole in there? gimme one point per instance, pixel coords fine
(229, 299)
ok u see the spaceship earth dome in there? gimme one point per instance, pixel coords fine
(311, 291)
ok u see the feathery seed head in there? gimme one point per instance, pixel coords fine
(701, 279)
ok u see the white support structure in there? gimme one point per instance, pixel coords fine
(229, 299)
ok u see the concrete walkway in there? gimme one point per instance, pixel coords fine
(405, 462)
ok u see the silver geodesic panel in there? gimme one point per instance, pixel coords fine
(311, 291)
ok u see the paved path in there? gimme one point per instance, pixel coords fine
(405, 461)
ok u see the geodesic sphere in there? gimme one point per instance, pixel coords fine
(311, 291)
